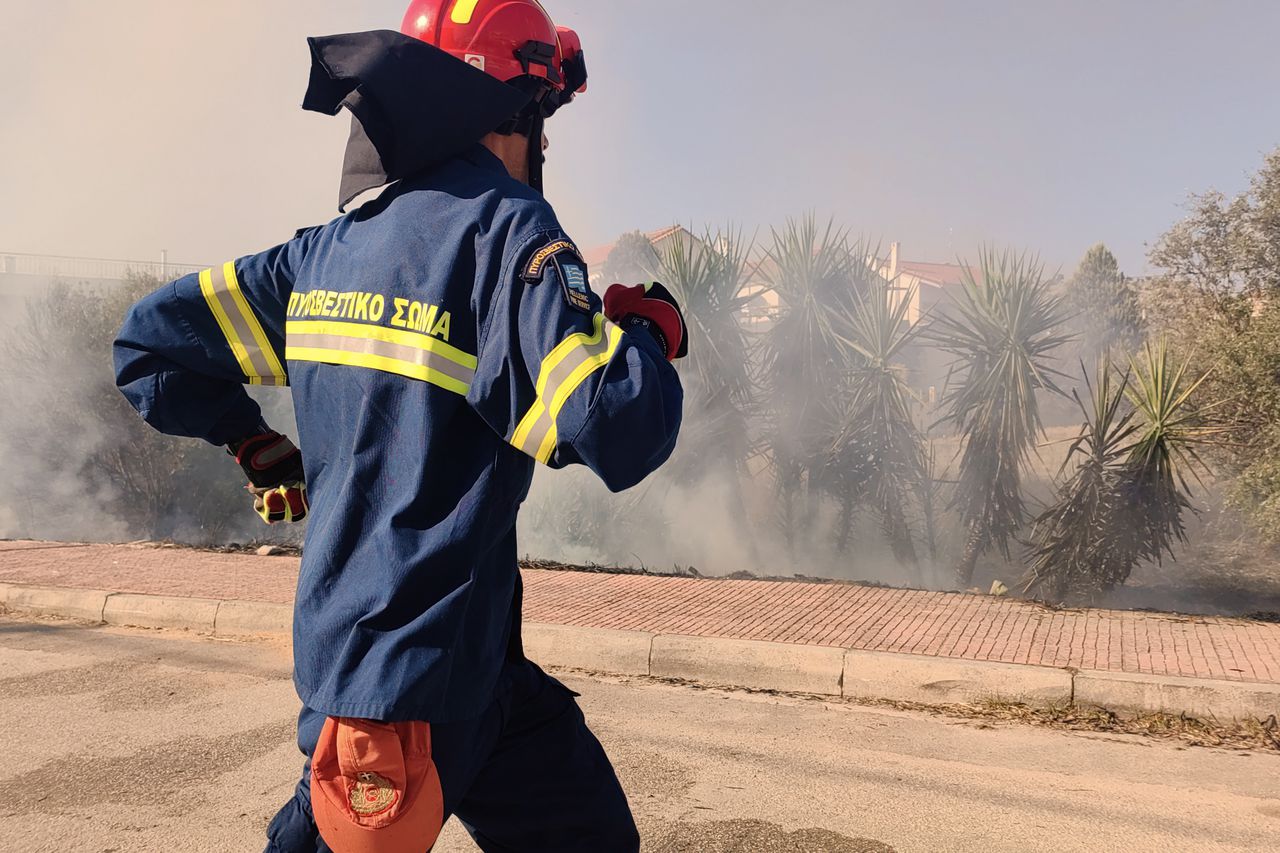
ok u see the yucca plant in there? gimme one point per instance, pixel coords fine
(804, 357)
(707, 277)
(1126, 501)
(1085, 539)
(1002, 331)
(1165, 454)
(878, 456)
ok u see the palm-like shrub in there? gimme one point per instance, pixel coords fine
(1002, 331)
(707, 278)
(878, 455)
(1126, 501)
(1085, 540)
(1165, 454)
(804, 358)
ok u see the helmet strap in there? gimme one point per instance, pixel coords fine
(536, 157)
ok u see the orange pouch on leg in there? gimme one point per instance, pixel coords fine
(374, 787)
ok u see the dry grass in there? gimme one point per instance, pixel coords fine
(1237, 734)
(1242, 735)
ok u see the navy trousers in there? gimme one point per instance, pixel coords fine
(525, 776)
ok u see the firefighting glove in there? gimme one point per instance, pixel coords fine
(650, 307)
(276, 479)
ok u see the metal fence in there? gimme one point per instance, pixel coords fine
(52, 266)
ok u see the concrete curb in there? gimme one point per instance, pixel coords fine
(253, 618)
(596, 649)
(86, 604)
(752, 664)
(921, 678)
(719, 661)
(154, 611)
(1197, 697)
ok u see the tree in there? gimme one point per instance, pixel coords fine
(1081, 542)
(632, 260)
(1003, 333)
(82, 464)
(1218, 301)
(1244, 391)
(1227, 250)
(1104, 306)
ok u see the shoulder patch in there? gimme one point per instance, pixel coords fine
(573, 278)
(533, 270)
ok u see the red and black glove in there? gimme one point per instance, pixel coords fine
(651, 307)
(276, 479)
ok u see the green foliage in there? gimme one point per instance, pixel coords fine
(839, 414)
(1165, 453)
(1126, 501)
(805, 358)
(1104, 306)
(706, 276)
(1082, 543)
(879, 454)
(1226, 252)
(81, 461)
(1219, 303)
(1244, 389)
(1255, 492)
(633, 260)
(1003, 331)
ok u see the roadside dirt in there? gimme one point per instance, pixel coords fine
(1236, 735)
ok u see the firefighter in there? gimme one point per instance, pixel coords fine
(439, 341)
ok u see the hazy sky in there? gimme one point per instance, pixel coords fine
(138, 125)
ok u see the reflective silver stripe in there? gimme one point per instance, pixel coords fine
(243, 337)
(382, 351)
(559, 383)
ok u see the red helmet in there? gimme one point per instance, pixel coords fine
(507, 39)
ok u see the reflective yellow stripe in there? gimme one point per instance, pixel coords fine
(549, 364)
(224, 323)
(565, 391)
(562, 372)
(244, 334)
(408, 369)
(404, 353)
(382, 333)
(259, 334)
(527, 423)
(463, 10)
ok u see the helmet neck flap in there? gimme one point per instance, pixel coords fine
(415, 105)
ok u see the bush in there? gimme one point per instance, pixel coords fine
(82, 464)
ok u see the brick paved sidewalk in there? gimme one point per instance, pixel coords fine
(970, 627)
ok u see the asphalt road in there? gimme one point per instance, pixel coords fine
(131, 742)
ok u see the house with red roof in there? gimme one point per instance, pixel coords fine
(928, 285)
(596, 256)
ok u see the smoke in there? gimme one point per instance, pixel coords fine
(154, 125)
(668, 526)
(80, 465)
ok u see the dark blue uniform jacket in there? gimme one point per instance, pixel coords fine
(437, 342)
